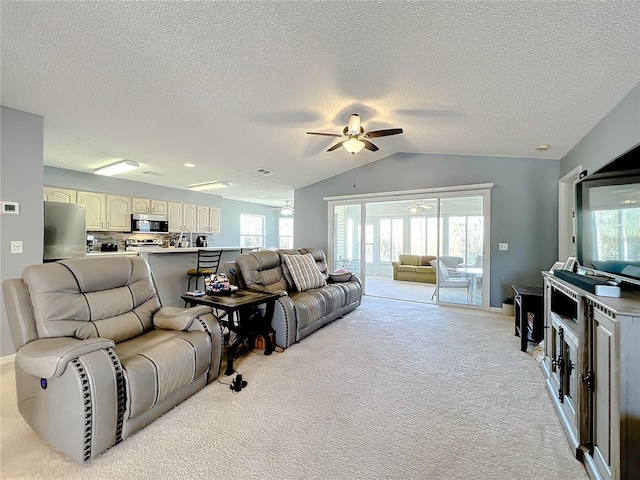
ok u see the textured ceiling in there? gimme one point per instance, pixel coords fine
(234, 86)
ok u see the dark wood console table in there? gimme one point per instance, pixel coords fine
(239, 316)
(528, 300)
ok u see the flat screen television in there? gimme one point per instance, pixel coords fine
(608, 219)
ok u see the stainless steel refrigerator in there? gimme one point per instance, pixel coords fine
(65, 231)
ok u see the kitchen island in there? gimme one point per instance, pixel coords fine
(170, 266)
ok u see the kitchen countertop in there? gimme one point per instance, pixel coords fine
(118, 252)
(187, 250)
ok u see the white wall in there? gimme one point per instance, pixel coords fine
(20, 181)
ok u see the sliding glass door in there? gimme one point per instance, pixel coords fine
(370, 234)
(461, 251)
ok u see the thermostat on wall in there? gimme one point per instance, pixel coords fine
(9, 208)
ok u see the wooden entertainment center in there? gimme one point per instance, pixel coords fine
(592, 369)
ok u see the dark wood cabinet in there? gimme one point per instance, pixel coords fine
(528, 308)
(592, 370)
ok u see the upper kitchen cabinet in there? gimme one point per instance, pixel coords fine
(214, 220)
(182, 216)
(106, 212)
(140, 205)
(146, 205)
(96, 209)
(189, 217)
(58, 194)
(118, 213)
(158, 207)
(208, 219)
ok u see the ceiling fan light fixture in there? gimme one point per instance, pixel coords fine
(116, 168)
(286, 211)
(354, 124)
(208, 186)
(353, 145)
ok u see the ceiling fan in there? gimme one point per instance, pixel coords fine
(418, 206)
(355, 138)
(285, 210)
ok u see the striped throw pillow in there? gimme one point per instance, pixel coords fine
(304, 271)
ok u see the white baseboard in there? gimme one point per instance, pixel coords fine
(7, 358)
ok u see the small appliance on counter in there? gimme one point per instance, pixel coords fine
(92, 243)
(109, 247)
(201, 241)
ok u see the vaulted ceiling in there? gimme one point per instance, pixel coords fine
(233, 87)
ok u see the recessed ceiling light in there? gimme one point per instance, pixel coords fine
(542, 147)
(190, 165)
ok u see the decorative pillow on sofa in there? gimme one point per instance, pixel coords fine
(304, 272)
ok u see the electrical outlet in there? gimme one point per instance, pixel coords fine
(16, 246)
(503, 246)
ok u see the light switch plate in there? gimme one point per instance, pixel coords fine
(16, 246)
(503, 246)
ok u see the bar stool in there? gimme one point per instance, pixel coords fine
(207, 264)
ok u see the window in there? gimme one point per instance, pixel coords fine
(252, 230)
(285, 232)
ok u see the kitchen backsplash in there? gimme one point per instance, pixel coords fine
(119, 238)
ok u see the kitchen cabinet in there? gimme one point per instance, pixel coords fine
(208, 220)
(158, 207)
(140, 205)
(182, 216)
(592, 366)
(106, 211)
(202, 220)
(174, 214)
(189, 216)
(146, 205)
(118, 213)
(58, 194)
(214, 220)
(96, 209)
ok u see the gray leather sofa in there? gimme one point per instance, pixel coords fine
(98, 357)
(297, 314)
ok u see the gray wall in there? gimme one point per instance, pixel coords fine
(20, 181)
(616, 133)
(524, 205)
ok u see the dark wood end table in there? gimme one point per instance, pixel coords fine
(241, 316)
(528, 300)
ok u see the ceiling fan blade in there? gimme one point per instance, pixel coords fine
(383, 133)
(325, 134)
(336, 146)
(368, 145)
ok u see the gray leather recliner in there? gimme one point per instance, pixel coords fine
(98, 357)
(297, 314)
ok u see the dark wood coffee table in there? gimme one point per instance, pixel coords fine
(241, 316)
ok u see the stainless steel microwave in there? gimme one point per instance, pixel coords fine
(145, 223)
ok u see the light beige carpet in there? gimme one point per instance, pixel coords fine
(394, 390)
